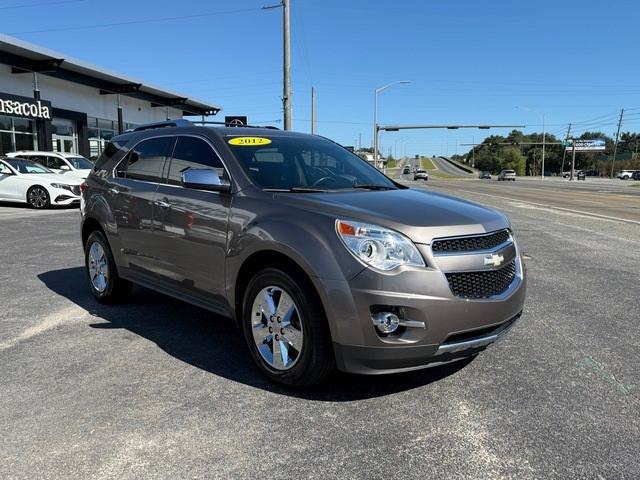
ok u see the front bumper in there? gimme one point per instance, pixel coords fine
(449, 327)
(381, 360)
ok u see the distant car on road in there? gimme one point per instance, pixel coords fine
(406, 170)
(625, 174)
(421, 174)
(485, 175)
(507, 175)
(636, 175)
(581, 175)
(70, 164)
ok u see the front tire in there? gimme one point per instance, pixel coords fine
(286, 329)
(38, 197)
(104, 282)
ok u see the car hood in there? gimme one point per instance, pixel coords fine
(419, 214)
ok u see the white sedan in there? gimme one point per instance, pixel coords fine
(70, 164)
(24, 181)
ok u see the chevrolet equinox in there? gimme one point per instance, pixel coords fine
(321, 260)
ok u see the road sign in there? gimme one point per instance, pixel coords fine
(592, 145)
(236, 120)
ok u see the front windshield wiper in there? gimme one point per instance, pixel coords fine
(294, 190)
(373, 186)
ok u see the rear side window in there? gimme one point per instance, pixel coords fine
(54, 162)
(145, 161)
(109, 151)
(192, 152)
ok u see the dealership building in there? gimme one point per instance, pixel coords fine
(51, 102)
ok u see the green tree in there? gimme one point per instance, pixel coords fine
(511, 158)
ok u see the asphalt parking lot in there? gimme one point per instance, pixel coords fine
(160, 389)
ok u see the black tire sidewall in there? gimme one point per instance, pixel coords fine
(314, 327)
(45, 191)
(108, 292)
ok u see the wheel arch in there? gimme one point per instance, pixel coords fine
(260, 260)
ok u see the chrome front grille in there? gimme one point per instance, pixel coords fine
(483, 284)
(470, 243)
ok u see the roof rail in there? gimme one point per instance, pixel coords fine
(227, 124)
(179, 122)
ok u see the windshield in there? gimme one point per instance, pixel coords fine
(311, 163)
(27, 166)
(80, 163)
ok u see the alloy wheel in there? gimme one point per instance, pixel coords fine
(98, 267)
(277, 328)
(38, 197)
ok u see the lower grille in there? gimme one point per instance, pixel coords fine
(482, 284)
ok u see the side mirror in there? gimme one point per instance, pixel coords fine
(65, 168)
(205, 179)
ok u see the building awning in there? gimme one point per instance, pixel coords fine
(25, 57)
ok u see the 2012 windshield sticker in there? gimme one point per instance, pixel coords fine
(249, 141)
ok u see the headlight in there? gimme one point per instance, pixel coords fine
(377, 246)
(63, 186)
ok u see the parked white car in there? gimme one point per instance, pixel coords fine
(66, 163)
(24, 181)
(625, 174)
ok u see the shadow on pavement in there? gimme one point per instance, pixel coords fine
(214, 344)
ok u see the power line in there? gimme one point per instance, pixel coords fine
(137, 22)
(41, 4)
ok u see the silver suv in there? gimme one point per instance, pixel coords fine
(321, 260)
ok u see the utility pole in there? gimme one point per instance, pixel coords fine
(544, 138)
(473, 153)
(313, 110)
(360, 141)
(564, 150)
(615, 147)
(573, 157)
(286, 94)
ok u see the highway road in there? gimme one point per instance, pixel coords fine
(615, 201)
(449, 169)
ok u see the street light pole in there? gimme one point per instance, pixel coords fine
(375, 116)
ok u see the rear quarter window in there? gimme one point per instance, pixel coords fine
(109, 152)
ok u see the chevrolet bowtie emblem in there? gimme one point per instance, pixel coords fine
(494, 260)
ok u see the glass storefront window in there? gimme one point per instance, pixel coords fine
(22, 125)
(100, 131)
(25, 141)
(5, 122)
(6, 144)
(16, 134)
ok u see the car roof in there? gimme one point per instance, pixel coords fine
(217, 131)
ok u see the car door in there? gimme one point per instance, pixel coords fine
(8, 183)
(131, 194)
(192, 233)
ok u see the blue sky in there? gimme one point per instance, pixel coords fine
(470, 62)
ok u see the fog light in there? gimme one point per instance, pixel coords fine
(385, 322)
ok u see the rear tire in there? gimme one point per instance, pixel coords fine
(104, 282)
(38, 197)
(286, 329)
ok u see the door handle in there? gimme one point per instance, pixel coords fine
(114, 191)
(162, 204)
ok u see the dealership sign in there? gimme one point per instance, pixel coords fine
(593, 145)
(26, 107)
